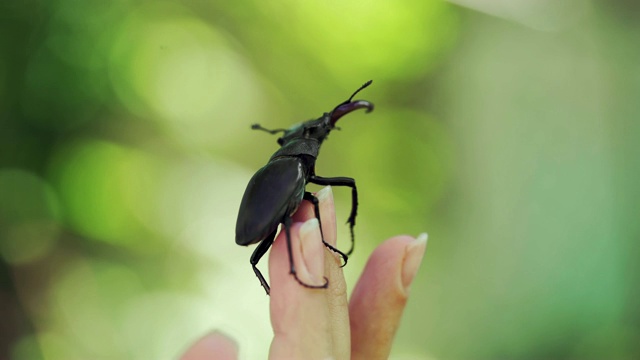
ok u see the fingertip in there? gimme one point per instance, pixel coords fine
(396, 262)
(379, 298)
(414, 253)
(214, 345)
(325, 194)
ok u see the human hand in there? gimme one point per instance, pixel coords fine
(321, 323)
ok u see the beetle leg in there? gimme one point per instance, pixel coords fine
(292, 269)
(262, 248)
(274, 131)
(343, 181)
(314, 200)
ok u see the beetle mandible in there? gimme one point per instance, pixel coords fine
(276, 190)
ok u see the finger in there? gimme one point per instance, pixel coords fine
(336, 294)
(380, 295)
(214, 345)
(299, 314)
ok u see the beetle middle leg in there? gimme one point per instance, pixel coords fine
(292, 270)
(343, 181)
(314, 200)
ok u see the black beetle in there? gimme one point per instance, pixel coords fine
(275, 191)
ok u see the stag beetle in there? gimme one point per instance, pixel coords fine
(275, 191)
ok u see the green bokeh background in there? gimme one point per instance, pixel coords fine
(508, 131)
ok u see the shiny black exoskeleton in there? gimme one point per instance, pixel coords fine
(275, 191)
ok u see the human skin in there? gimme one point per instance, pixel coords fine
(321, 323)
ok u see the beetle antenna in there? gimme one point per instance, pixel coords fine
(274, 131)
(359, 89)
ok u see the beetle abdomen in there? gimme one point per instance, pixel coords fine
(275, 191)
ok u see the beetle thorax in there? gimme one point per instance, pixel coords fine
(317, 129)
(300, 146)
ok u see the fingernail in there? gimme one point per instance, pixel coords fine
(308, 228)
(310, 239)
(324, 193)
(414, 252)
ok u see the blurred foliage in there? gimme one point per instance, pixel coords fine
(509, 133)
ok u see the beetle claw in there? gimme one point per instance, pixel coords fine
(344, 256)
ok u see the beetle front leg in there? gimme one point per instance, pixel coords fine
(272, 132)
(314, 200)
(343, 181)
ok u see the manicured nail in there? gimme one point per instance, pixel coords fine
(414, 253)
(309, 228)
(310, 239)
(324, 193)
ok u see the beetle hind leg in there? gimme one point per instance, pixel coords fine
(314, 200)
(257, 255)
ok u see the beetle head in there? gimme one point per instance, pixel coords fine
(319, 128)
